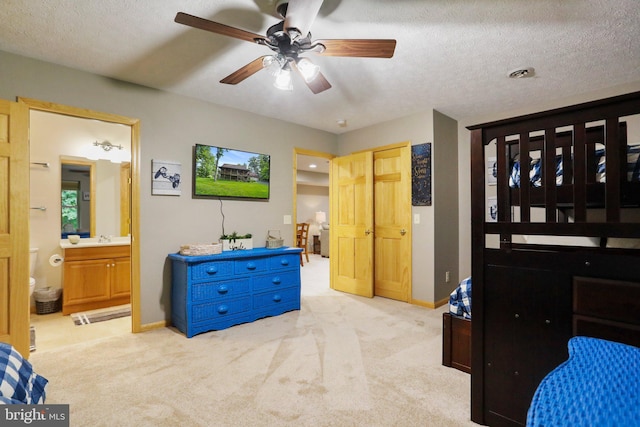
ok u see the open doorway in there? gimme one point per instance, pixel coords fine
(83, 133)
(311, 205)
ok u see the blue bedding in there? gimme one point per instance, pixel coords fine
(19, 384)
(460, 299)
(535, 168)
(596, 386)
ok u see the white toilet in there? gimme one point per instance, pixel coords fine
(33, 256)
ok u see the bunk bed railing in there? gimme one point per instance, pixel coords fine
(568, 140)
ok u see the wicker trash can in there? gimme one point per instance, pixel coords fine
(48, 300)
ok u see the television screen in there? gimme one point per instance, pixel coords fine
(225, 172)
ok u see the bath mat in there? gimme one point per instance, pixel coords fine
(101, 315)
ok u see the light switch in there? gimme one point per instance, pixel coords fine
(287, 219)
(416, 218)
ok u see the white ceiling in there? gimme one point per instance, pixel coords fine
(451, 55)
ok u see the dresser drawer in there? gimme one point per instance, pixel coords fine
(276, 281)
(209, 270)
(250, 265)
(277, 297)
(217, 310)
(284, 261)
(219, 290)
(606, 299)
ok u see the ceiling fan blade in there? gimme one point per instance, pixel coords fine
(215, 27)
(247, 71)
(318, 84)
(300, 15)
(361, 48)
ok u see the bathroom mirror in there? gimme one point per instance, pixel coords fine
(94, 197)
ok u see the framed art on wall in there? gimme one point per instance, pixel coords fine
(421, 174)
(166, 178)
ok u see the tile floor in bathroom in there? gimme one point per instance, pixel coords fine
(55, 330)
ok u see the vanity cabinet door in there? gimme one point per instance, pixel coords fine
(85, 282)
(120, 277)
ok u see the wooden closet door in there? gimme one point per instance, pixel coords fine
(352, 224)
(392, 222)
(14, 226)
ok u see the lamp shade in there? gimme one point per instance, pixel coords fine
(321, 217)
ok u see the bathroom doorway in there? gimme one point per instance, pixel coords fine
(59, 133)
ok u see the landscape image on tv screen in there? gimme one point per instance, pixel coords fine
(225, 172)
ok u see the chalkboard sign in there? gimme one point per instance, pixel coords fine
(421, 174)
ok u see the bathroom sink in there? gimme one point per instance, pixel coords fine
(96, 241)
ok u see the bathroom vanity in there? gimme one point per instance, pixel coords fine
(97, 274)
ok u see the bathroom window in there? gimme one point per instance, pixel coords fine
(69, 203)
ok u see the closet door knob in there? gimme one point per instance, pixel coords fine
(367, 232)
(403, 232)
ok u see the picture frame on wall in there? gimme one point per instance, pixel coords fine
(421, 174)
(166, 178)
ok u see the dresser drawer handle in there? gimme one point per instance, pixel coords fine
(251, 266)
(277, 298)
(223, 289)
(222, 309)
(212, 270)
(276, 280)
(284, 261)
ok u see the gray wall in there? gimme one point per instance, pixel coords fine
(170, 126)
(445, 204)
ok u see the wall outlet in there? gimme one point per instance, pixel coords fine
(447, 277)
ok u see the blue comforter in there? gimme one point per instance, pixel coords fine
(18, 382)
(460, 299)
(596, 386)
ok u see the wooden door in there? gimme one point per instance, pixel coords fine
(351, 258)
(14, 226)
(392, 219)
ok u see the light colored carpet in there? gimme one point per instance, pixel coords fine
(339, 361)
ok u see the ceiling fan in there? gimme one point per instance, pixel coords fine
(289, 40)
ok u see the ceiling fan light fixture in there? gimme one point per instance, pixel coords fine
(283, 80)
(308, 69)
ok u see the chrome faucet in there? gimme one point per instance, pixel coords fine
(104, 239)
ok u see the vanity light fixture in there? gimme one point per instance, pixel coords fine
(107, 146)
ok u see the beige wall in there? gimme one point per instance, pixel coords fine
(170, 126)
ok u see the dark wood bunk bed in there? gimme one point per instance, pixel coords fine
(530, 299)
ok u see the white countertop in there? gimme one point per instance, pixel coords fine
(95, 242)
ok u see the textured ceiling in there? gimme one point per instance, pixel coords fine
(451, 55)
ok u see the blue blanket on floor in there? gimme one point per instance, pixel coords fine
(596, 386)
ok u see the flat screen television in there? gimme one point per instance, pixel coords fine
(220, 172)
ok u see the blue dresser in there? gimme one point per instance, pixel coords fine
(213, 292)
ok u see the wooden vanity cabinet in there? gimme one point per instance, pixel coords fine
(96, 277)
